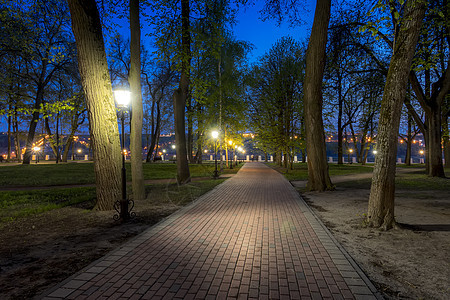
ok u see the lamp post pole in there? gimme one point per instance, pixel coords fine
(124, 213)
(216, 175)
(215, 135)
(123, 98)
(232, 158)
(36, 152)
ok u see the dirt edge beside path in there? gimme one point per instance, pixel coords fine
(409, 262)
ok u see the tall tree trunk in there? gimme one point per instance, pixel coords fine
(180, 96)
(137, 173)
(408, 142)
(199, 150)
(50, 137)
(431, 128)
(446, 140)
(190, 131)
(318, 177)
(15, 126)
(157, 135)
(434, 149)
(340, 128)
(103, 127)
(32, 128)
(153, 132)
(8, 158)
(68, 145)
(381, 200)
(58, 149)
(354, 139)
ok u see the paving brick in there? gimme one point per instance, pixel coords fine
(250, 237)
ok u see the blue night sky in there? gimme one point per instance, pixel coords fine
(263, 35)
(250, 28)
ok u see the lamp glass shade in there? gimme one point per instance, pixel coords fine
(215, 134)
(122, 97)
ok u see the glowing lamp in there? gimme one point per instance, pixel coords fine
(122, 97)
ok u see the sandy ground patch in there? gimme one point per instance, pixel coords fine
(409, 262)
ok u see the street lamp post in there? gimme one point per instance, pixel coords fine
(215, 135)
(123, 99)
(173, 149)
(232, 157)
(240, 149)
(36, 152)
(350, 152)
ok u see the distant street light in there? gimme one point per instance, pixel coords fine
(215, 135)
(36, 150)
(375, 152)
(173, 146)
(123, 98)
(230, 142)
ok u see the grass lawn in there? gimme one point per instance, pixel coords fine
(410, 181)
(15, 204)
(83, 173)
(300, 171)
(413, 180)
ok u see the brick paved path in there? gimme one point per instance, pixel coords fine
(250, 237)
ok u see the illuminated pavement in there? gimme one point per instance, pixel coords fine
(252, 237)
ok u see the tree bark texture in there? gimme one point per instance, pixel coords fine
(381, 201)
(446, 140)
(431, 100)
(137, 117)
(183, 174)
(34, 122)
(408, 142)
(434, 149)
(96, 83)
(340, 128)
(8, 158)
(180, 96)
(318, 177)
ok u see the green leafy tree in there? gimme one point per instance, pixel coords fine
(50, 52)
(276, 98)
(431, 64)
